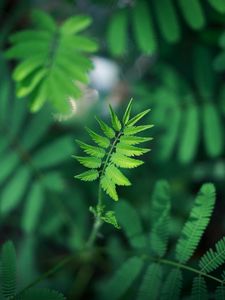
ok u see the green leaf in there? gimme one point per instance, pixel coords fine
(139, 116)
(220, 292)
(122, 279)
(190, 135)
(43, 20)
(92, 150)
(33, 208)
(116, 175)
(89, 162)
(115, 121)
(98, 139)
(134, 140)
(54, 153)
(172, 286)
(151, 283)
(117, 33)
(131, 224)
(123, 161)
(130, 150)
(126, 115)
(109, 187)
(43, 294)
(90, 175)
(192, 13)
(199, 289)
(212, 130)
(135, 129)
(9, 161)
(212, 259)
(8, 270)
(110, 218)
(13, 192)
(108, 131)
(196, 224)
(218, 5)
(143, 27)
(167, 20)
(75, 24)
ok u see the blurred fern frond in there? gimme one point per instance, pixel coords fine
(52, 60)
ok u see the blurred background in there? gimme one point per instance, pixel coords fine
(168, 56)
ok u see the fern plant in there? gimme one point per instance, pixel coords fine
(9, 279)
(114, 150)
(160, 275)
(52, 63)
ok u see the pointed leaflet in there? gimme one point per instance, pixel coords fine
(126, 115)
(199, 289)
(134, 140)
(151, 283)
(43, 20)
(115, 121)
(213, 259)
(131, 224)
(88, 161)
(116, 175)
(117, 32)
(196, 224)
(90, 175)
(75, 24)
(125, 162)
(92, 150)
(122, 279)
(108, 131)
(131, 130)
(130, 150)
(109, 187)
(8, 270)
(98, 139)
(139, 116)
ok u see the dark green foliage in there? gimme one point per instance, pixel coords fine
(48, 69)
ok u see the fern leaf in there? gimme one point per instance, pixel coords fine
(108, 131)
(122, 279)
(172, 287)
(110, 218)
(75, 24)
(89, 162)
(43, 20)
(196, 224)
(92, 150)
(90, 175)
(125, 162)
(131, 130)
(98, 139)
(130, 150)
(8, 270)
(139, 116)
(116, 175)
(212, 259)
(131, 224)
(126, 115)
(220, 292)
(43, 294)
(151, 282)
(115, 121)
(134, 140)
(199, 289)
(109, 187)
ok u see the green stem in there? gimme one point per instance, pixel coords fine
(193, 270)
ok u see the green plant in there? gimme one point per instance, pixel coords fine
(162, 277)
(52, 61)
(115, 150)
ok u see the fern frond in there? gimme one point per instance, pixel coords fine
(196, 224)
(213, 259)
(123, 161)
(51, 62)
(114, 119)
(151, 283)
(116, 175)
(199, 289)
(108, 131)
(90, 175)
(172, 287)
(43, 294)
(91, 150)
(88, 161)
(98, 139)
(220, 293)
(8, 270)
(123, 279)
(109, 187)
